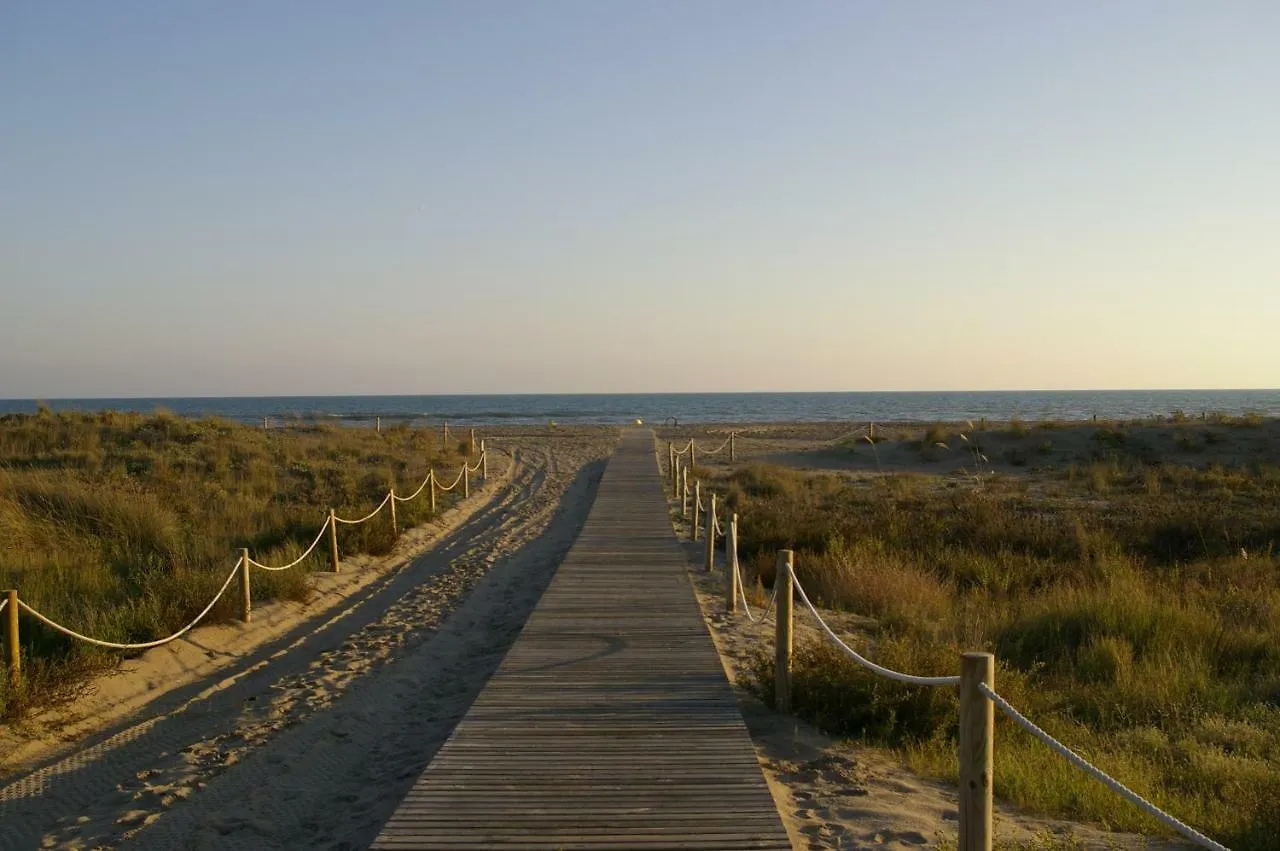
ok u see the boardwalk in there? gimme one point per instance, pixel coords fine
(610, 723)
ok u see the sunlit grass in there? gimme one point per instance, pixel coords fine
(124, 526)
(1133, 605)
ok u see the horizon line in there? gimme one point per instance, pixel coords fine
(110, 398)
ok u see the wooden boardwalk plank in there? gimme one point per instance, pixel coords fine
(609, 724)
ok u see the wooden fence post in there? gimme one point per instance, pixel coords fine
(377, 424)
(783, 635)
(675, 479)
(697, 510)
(731, 563)
(473, 441)
(693, 454)
(671, 459)
(11, 638)
(484, 462)
(431, 478)
(333, 540)
(444, 437)
(711, 533)
(977, 732)
(684, 492)
(733, 448)
(466, 479)
(395, 527)
(246, 604)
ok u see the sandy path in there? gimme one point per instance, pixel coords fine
(316, 747)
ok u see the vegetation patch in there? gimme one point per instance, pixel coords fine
(124, 526)
(1133, 605)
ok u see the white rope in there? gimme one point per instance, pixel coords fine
(4, 603)
(420, 489)
(746, 606)
(685, 451)
(911, 679)
(297, 561)
(145, 645)
(722, 448)
(476, 468)
(455, 481)
(1098, 774)
(368, 516)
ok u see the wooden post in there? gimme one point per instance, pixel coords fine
(246, 604)
(711, 534)
(684, 493)
(473, 441)
(693, 454)
(377, 424)
(731, 564)
(395, 527)
(11, 638)
(431, 476)
(444, 437)
(675, 478)
(733, 447)
(783, 634)
(697, 510)
(333, 540)
(977, 734)
(466, 479)
(264, 423)
(484, 462)
(671, 459)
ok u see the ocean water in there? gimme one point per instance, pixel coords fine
(696, 407)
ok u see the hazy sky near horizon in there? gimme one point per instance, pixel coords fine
(414, 197)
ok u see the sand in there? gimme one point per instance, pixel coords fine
(306, 728)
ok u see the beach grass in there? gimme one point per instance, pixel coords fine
(1132, 600)
(124, 526)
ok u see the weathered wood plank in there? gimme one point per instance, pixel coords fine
(609, 724)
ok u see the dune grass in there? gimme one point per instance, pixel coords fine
(124, 526)
(1134, 608)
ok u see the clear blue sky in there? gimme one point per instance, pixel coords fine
(315, 197)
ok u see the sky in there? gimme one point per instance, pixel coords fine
(296, 198)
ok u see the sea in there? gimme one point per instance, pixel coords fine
(659, 408)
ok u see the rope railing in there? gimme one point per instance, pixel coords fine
(978, 697)
(746, 607)
(13, 604)
(909, 679)
(691, 449)
(297, 561)
(367, 517)
(143, 645)
(722, 447)
(431, 474)
(1098, 774)
(461, 473)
